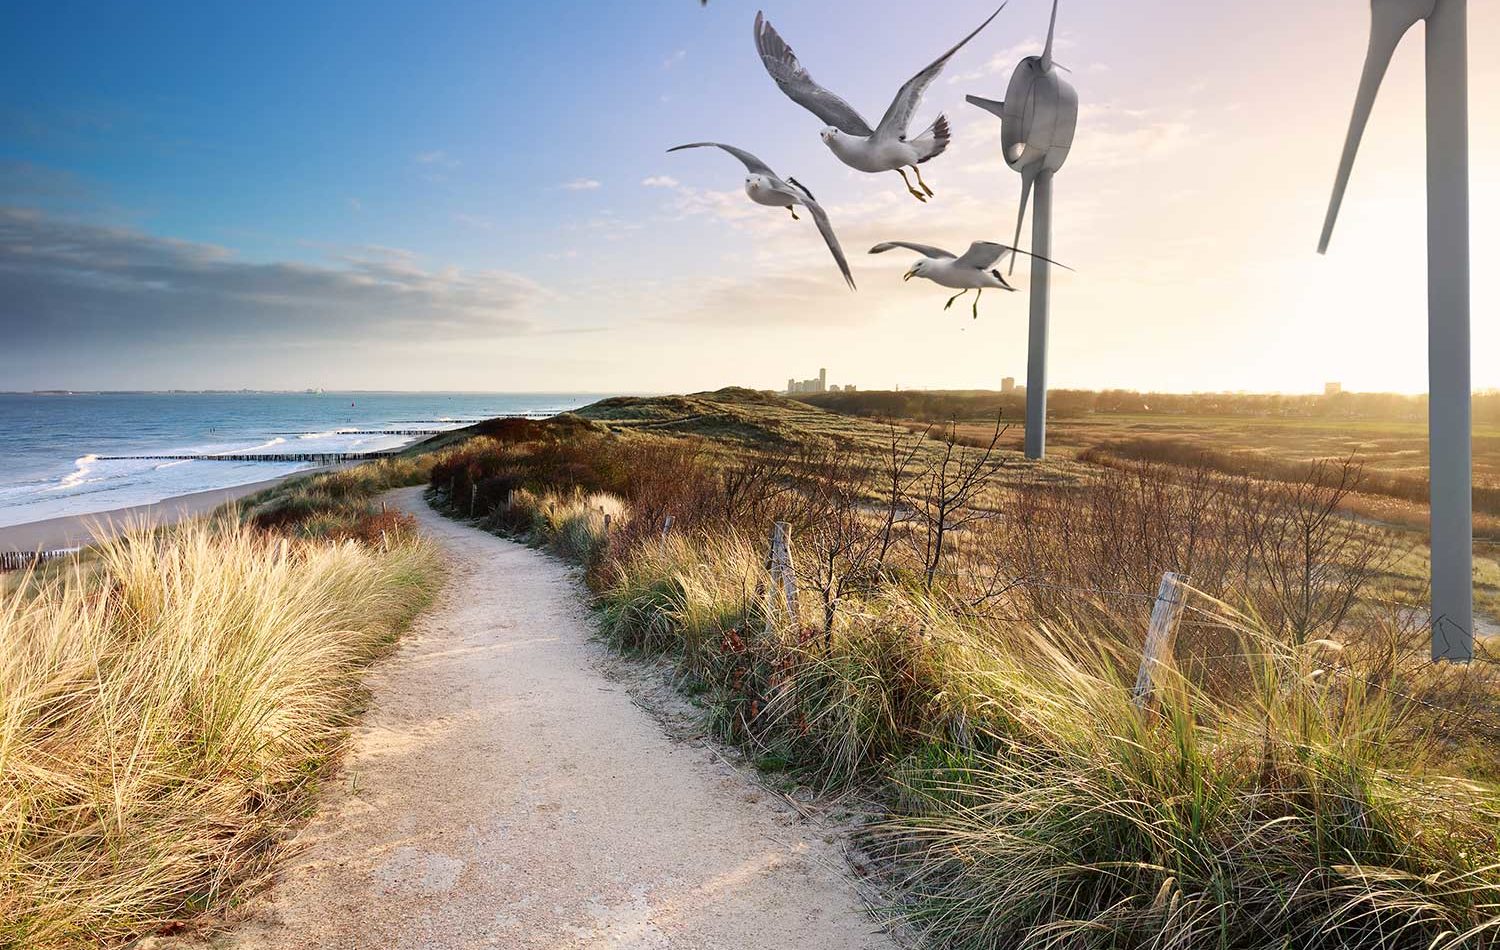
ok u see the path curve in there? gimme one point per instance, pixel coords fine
(503, 791)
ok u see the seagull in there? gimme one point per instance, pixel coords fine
(765, 187)
(884, 148)
(974, 271)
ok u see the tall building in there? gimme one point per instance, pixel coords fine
(817, 385)
(1008, 384)
(1332, 389)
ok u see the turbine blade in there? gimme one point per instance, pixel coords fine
(1387, 26)
(1051, 35)
(988, 105)
(1027, 178)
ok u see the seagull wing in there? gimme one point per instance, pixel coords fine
(825, 227)
(982, 255)
(794, 80)
(752, 164)
(926, 250)
(898, 116)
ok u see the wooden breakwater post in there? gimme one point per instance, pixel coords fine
(320, 458)
(23, 560)
(1166, 615)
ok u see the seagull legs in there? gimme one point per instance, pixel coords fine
(914, 192)
(918, 170)
(954, 299)
(976, 302)
(793, 210)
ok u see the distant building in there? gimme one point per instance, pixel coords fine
(1332, 389)
(796, 387)
(1008, 384)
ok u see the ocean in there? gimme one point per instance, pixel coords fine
(51, 444)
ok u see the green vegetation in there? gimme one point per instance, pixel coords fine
(965, 636)
(966, 631)
(169, 703)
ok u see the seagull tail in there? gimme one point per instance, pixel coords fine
(934, 141)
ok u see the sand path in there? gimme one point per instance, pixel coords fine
(504, 791)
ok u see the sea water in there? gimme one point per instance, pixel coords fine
(51, 445)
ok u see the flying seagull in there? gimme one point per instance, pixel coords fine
(974, 271)
(884, 148)
(765, 187)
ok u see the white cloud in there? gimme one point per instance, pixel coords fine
(437, 157)
(674, 59)
(581, 184)
(107, 285)
(660, 181)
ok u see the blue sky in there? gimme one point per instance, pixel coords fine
(477, 196)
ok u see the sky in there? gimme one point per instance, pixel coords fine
(477, 196)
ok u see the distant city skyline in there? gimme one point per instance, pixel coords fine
(407, 197)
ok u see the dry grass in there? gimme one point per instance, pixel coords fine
(166, 712)
(1284, 791)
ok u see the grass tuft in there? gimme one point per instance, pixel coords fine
(166, 711)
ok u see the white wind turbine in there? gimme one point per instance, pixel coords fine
(1038, 119)
(1450, 439)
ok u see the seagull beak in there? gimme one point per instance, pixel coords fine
(910, 274)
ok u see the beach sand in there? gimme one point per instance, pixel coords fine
(77, 530)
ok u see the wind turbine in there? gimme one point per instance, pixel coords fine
(1450, 433)
(1038, 119)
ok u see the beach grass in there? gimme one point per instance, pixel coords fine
(167, 711)
(1299, 778)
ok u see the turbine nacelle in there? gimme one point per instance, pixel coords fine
(1390, 21)
(1038, 120)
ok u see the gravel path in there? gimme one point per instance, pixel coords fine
(503, 791)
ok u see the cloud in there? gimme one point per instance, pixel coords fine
(63, 282)
(581, 184)
(355, 205)
(660, 181)
(1114, 138)
(674, 59)
(473, 221)
(437, 157)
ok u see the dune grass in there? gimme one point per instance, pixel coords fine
(166, 712)
(1032, 803)
(1283, 790)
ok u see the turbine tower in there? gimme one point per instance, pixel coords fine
(1038, 119)
(1450, 432)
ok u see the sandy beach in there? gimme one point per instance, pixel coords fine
(77, 530)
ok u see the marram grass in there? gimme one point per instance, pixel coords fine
(165, 713)
(1034, 806)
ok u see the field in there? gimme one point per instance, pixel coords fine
(1385, 436)
(951, 640)
(953, 636)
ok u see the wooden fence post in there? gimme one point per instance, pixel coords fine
(1165, 616)
(666, 529)
(452, 484)
(510, 500)
(782, 569)
(473, 498)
